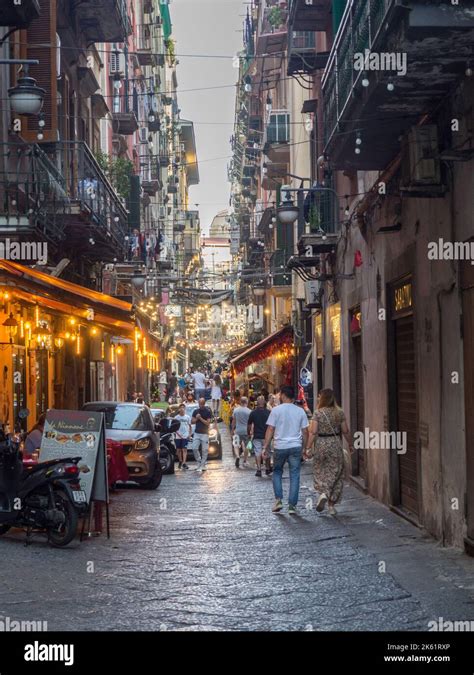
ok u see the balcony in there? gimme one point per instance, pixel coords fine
(302, 54)
(271, 35)
(277, 138)
(104, 21)
(144, 50)
(435, 44)
(314, 17)
(59, 192)
(281, 277)
(19, 15)
(124, 123)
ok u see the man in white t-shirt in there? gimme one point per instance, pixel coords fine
(287, 425)
(199, 382)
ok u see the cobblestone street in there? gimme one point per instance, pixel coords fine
(204, 552)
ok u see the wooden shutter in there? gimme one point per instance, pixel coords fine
(359, 401)
(42, 31)
(467, 282)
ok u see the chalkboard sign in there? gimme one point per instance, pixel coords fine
(75, 433)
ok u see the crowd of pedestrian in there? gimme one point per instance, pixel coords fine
(277, 424)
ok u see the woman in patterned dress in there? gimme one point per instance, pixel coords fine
(327, 426)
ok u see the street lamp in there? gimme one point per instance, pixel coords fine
(26, 98)
(287, 212)
(138, 278)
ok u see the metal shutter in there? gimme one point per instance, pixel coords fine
(359, 392)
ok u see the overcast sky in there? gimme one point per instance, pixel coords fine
(208, 28)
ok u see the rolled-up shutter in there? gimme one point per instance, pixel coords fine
(40, 43)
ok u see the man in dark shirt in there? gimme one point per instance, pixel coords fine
(201, 417)
(257, 427)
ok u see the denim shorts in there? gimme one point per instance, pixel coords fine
(258, 446)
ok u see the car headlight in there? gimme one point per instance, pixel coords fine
(142, 444)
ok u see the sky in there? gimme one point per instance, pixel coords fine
(208, 28)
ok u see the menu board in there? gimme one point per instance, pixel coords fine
(76, 433)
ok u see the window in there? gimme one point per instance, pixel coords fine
(278, 130)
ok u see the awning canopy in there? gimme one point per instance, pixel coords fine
(263, 349)
(65, 297)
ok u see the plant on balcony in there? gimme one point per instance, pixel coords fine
(170, 48)
(275, 17)
(314, 219)
(118, 171)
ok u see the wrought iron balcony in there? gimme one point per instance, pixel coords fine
(104, 21)
(386, 94)
(19, 14)
(313, 15)
(272, 30)
(302, 54)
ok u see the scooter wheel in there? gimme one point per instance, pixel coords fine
(4, 529)
(65, 534)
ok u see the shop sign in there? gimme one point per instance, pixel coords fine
(402, 298)
(173, 310)
(76, 433)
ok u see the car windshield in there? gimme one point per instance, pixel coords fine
(124, 417)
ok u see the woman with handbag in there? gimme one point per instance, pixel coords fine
(330, 458)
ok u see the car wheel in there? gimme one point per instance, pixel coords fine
(155, 481)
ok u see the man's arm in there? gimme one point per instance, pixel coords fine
(304, 433)
(268, 439)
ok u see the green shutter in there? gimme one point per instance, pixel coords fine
(338, 7)
(165, 15)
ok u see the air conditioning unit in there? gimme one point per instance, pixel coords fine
(421, 165)
(313, 291)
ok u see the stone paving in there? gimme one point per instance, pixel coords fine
(204, 552)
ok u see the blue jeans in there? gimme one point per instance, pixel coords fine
(199, 393)
(293, 457)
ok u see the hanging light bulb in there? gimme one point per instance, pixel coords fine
(390, 85)
(365, 80)
(469, 70)
(268, 103)
(358, 139)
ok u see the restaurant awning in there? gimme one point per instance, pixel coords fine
(58, 295)
(267, 347)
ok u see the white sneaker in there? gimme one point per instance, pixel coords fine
(199, 469)
(245, 465)
(321, 502)
(204, 467)
(332, 511)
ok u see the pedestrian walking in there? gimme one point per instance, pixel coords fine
(240, 420)
(199, 383)
(201, 417)
(172, 385)
(182, 436)
(216, 394)
(257, 428)
(327, 426)
(288, 425)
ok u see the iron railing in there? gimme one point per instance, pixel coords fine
(359, 30)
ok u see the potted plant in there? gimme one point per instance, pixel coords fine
(275, 17)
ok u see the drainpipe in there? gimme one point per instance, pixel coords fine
(126, 87)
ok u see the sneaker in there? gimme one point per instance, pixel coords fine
(180, 466)
(268, 472)
(277, 506)
(292, 510)
(204, 467)
(199, 469)
(321, 502)
(237, 462)
(332, 510)
(185, 466)
(245, 465)
(258, 473)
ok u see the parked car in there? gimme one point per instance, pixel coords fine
(215, 441)
(132, 425)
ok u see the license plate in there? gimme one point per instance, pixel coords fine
(79, 496)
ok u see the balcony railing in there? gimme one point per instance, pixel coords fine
(417, 32)
(271, 32)
(86, 184)
(104, 21)
(302, 54)
(29, 185)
